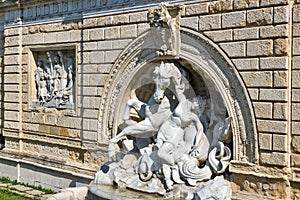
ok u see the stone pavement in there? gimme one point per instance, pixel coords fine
(27, 191)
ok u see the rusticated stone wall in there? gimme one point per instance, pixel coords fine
(261, 38)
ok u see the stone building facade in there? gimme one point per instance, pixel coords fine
(58, 147)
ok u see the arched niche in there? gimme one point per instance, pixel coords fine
(213, 75)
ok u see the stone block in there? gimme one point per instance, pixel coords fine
(44, 128)
(29, 127)
(281, 14)
(11, 115)
(129, 31)
(295, 159)
(74, 133)
(274, 31)
(220, 6)
(260, 17)
(88, 46)
(263, 109)
(296, 111)
(117, 19)
(90, 136)
(38, 117)
(234, 49)
(96, 57)
(64, 132)
(12, 41)
(281, 46)
(54, 130)
(253, 93)
(103, 45)
(274, 158)
(265, 141)
(11, 97)
(295, 128)
(11, 50)
(273, 94)
(234, 19)
(295, 78)
(272, 2)
(90, 22)
(296, 13)
(280, 111)
(295, 95)
(75, 35)
(219, 36)
(93, 125)
(15, 125)
(64, 36)
(274, 63)
(89, 91)
(210, 22)
(11, 78)
(296, 29)
(138, 17)
(257, 79)
(96, 34)
(111, 56)
(246, 33)
(190, 22)
(280, 143)
(50, 37)
(242, 4)
(11, 32)
(196, 9)
(246, 63)
(271, 126)
(296, 144)
(120, 44)
(280, 79)
(260, 48)
(51, 118)
(296, 46)
(11, 60)
(112, 32)
(97, 79)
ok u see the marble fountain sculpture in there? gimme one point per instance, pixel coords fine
(175, 146)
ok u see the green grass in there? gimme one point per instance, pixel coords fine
(6, 194)
(9, 194)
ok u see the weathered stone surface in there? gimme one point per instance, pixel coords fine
(281, 14)
(210, 22)
(296, 144)
(273, 94)
(129, 31)
(295, 160)
(257, 79)
(234, 49)
(263, 109)
(280, 143)
(190, 22)
(274, 31)
(272, 126)
(261, 16)
(242, 4)
(272, 2)
(246, 33)
(296, 13)
(260, 48)
(281, 79)
(280, 111)
(296, 111)
(219, 36)
(295, 78)
(112, 32)
(281, 46)
(196, 9)
(265, 141)
(234, 19)
(279, 159)
(274, 63)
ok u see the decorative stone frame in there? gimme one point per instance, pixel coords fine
(208, 59)
(34, 55)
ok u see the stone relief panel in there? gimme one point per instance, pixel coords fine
(53, 79)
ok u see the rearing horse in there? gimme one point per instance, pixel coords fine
(158, 108)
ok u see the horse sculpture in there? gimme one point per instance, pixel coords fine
(181, 147)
